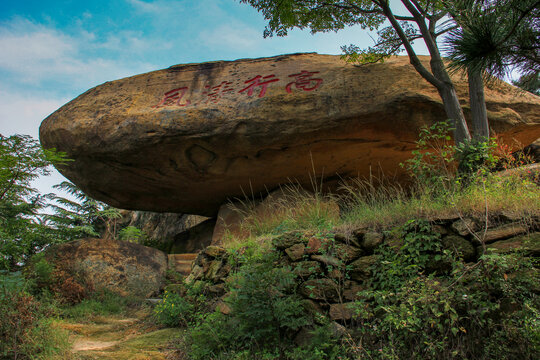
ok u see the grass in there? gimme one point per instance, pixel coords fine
(101, 304)
(364, 205)
(130, 334)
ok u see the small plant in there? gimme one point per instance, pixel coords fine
(132, 234)
(174, 310)
(421, 251)
(433, 161)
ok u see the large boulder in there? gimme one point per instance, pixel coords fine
(187, 138)
(118, 266)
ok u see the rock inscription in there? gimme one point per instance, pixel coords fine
(303, 81)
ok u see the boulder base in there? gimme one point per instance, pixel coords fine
(187, 138)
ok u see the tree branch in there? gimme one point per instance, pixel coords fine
(424, 30)
(408, 47)
(420, 8)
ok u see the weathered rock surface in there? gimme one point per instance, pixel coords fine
(178, 233)
(187, 138)
(122, 267)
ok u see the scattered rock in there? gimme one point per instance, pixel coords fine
(316, 245)
(504, 232)
(295, 252)
(336, 274)
(312, 307)
(223, 308)
(372, 240)
(305, 269)
(347, 240)
(465, 226)
(458, 244)
(337, 330)
(213, 269)
(320, 289)
(197, 272)
(215, 251)
(440, 229)
(217, 289)
(351, 293)
(347, 253)
(360, 269)
(288, 239)
(327, 260)
(530, 244)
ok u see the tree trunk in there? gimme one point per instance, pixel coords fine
(478, 106)
(455, 113)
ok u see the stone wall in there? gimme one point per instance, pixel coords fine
(331, 269)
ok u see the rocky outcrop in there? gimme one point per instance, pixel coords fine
(171, 232)
(162, 226)
(121, 267)
(187, 138)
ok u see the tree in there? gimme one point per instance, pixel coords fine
(492, 38)
(22, 233)
(81, 217)
(423, 19)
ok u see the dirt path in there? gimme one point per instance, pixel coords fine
(119, 338)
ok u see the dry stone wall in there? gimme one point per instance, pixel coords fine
(333, 268)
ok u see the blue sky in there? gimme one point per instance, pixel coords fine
(52, 50)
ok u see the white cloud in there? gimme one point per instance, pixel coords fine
(34, 54)
(232, 36)
(22, 113)
(147, 7)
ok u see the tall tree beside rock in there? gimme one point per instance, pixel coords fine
(425, 20)
(490, 39)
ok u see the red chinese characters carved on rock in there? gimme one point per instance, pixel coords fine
(215, 93)
(173, 97)
(256, 81)
(304, 81)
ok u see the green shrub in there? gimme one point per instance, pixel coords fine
(421, 251)
(174, 310)
(132, 234)
(265, 313)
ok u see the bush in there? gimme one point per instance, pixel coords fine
(174, 310)
(265, 313)
(25, 331)
(487, 310)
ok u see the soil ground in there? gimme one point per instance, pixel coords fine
(117, 337)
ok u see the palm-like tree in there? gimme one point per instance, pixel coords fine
(492, 38)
